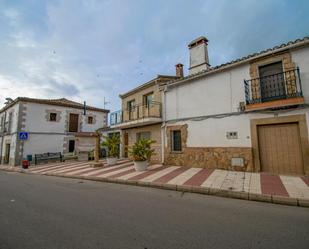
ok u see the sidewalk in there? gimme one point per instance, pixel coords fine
(290, 190)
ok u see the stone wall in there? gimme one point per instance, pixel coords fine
(205, 157)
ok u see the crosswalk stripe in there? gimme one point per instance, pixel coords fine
(215, 180)
(159, 174)
(182, 178)
(78, 172)
(54, 167)
(63, 168)
(136, 173)
(115, 172)
(71, 169)
(108, 168)
(109, 173)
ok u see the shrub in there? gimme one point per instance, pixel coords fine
(141, 150)
(112, 144)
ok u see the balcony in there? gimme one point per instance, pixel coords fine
(272, 91)
(137, 116)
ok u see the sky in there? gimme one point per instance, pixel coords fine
(88, 50)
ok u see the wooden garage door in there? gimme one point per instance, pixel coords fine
(280, 149)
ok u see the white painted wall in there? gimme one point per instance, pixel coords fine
(221, 93)
(212, 132)
(301, 59)
(215, 94)
(39, 143)
(36, 121)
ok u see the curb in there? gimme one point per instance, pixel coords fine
(283, 200)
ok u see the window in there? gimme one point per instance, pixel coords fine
(144, 135)
(271, 81)
(90, 120)
(147, 99)
(53, 117)
(131, 105)
(10, 122)
(176, 140)
(2, 124)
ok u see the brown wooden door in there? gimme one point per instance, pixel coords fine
(126, 144)
(280, 149)
(73, 123)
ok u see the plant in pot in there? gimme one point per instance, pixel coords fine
(112, 145)
(141, 152)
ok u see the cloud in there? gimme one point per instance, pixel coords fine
(91, 49)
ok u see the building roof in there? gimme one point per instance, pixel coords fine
(289, 45)
(148, 84)
(58, 102)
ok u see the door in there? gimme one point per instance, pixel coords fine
(71, 145)
(272, 81)
(73, 123)
(7, 153)
(126, 144)
(280, 149)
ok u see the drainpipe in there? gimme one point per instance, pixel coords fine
(2, 140)
(163, 127)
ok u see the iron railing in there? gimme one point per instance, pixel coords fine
(152, 109)
(273, 87)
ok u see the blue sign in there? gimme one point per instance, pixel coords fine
(23, 135)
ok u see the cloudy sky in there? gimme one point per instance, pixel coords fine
(91, 49)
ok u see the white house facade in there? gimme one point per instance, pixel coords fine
(52, 125)
(251, 114)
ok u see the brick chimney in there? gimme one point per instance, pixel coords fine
(198, 55)
(179, 70)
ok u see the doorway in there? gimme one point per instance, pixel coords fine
(126, 144)
(280, 149)
(7, 153)
(71, 145)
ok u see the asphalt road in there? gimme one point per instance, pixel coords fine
(49, 212)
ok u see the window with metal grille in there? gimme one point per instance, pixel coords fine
(176, 140)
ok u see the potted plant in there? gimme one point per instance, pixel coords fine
(112, 145)
(141, 152)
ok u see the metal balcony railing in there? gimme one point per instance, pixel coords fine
(150, 110)
(273, 87)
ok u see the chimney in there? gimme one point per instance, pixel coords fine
(198, 55)
(179, 70)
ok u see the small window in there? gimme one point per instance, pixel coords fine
(53, 117)
(144, 135)
(90, 120)
(176, 140)
(147, 99)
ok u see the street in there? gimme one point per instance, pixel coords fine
(51, 212)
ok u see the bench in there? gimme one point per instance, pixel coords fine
(70, 156)
(46, 157)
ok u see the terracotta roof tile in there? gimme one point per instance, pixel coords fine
(58, 102)
(242, 59)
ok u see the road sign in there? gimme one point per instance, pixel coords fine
(23, 135)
